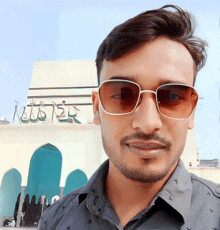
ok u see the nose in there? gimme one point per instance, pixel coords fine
(146, 116)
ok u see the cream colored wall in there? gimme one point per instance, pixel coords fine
(76, 73)
(190, 151)
(63, 73)
(80, 146)
(209, 173)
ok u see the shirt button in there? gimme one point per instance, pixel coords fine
(218, 189)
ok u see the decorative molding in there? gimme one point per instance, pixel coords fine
(74, 87)
(59, 96)
(60, 104)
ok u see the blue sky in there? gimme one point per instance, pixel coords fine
(49, 30)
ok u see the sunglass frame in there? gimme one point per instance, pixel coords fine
(142, 91)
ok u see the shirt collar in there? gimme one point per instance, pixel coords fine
(177, 191)
(96, 183)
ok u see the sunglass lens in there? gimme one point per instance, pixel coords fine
(176, 101)
(118, 97)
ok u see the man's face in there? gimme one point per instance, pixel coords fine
(145, 146)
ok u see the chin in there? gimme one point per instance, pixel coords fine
(147, 174)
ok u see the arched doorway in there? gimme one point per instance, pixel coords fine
(75, 180)
(44, 172)
(10, 188)
(54, 199)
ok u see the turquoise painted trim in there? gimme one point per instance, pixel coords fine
(44, 172)
(9, 190)
(75, 180)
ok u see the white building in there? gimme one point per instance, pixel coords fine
(56, 148)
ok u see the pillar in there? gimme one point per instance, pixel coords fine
(20, 206)
(61, 192)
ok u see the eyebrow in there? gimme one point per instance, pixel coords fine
(134, 79)
(171, 81)
(129, 78)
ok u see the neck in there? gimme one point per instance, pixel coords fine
(129, 197)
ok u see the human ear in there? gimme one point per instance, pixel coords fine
(191, 122)
(95, 102)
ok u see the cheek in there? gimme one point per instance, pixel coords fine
(113, 127)
(178, 131)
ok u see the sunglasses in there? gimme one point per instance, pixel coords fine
(121, 97)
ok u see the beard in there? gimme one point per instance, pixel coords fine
(142, 175)
(145, 173)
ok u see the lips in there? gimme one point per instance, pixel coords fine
(144, 149)
(146, 145)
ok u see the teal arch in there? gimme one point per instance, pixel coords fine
(44, 172)
(75, 180)
(10, 188)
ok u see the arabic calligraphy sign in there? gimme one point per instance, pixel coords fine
(62, 114)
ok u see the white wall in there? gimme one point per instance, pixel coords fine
(80, 147)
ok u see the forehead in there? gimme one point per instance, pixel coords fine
(155, 63)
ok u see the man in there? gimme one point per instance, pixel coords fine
(146, 68)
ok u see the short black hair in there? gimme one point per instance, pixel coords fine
(176, 24)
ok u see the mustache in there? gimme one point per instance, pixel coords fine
(146, 137)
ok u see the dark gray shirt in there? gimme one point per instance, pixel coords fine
(186, 202)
